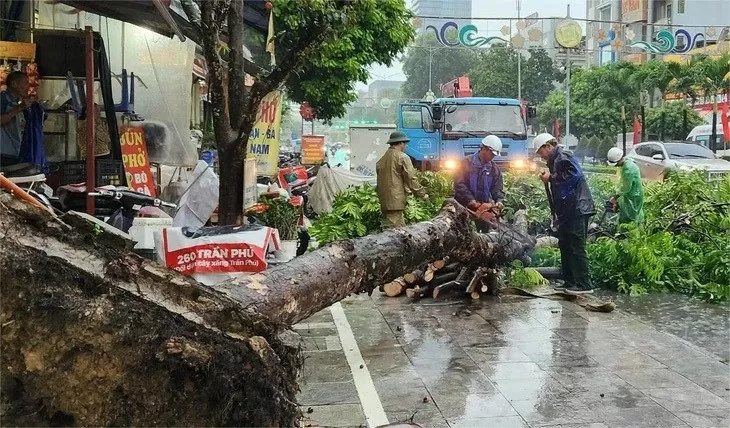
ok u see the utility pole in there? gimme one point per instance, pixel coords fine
(568, 65)
(519, 57)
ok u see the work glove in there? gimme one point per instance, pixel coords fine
(485, 213)
(474, 205)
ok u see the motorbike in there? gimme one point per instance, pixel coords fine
(32, 180)
(129, 205)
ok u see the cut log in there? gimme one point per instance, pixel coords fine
(413, 277)
(94, 335)
(451, 267)
(460, 278)
(440, 264)
(550, 272)
(394, 288)
(429, 274)
(443, 278)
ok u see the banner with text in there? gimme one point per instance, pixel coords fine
(312, 149)
(264, 139)
(136, 161)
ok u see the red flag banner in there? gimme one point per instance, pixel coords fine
(726, 121)
(637, 130)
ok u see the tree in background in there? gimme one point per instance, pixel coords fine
(447, 63)
(323, 47)
(667, 120)
(495, 74)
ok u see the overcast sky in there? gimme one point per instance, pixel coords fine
(495, 9)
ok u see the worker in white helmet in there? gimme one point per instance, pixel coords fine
(573, 205)
(630, 192)
(479, 185)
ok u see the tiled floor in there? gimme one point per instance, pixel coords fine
(510, 363)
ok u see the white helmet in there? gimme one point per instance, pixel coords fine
(542, 139)
(493, 143)
(614, 155)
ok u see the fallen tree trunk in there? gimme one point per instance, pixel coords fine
(294, 291)
(94, 335)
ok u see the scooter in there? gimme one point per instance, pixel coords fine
(130, 203)
(31, 179)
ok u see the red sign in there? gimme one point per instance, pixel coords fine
(216, 258)
(136, 162)
(312, 149)
(306, 111)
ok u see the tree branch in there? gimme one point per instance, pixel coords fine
(216, 74)
(237, 91)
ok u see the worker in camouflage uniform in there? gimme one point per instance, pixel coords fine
(630, 195)
(396, 174)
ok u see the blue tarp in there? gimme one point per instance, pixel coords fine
(32, 149)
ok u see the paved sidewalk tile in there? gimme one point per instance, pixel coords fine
(510, 363)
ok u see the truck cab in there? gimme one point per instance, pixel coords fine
(445, 131)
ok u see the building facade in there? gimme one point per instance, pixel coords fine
(442, 11)
(684, 24)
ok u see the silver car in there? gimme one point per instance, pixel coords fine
(656, 158)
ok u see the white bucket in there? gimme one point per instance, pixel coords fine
(287, 251)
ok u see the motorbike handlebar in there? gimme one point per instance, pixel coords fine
(131, 196)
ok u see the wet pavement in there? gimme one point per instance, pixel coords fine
(510, 362)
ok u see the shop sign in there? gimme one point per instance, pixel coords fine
(250, 190)
(263, 143)
(312, 149)
(634, 10)
(136, 162)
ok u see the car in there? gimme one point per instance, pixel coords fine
(655, 158)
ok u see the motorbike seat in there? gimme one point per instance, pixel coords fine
(18, 169)
(24, 179)
(297, 183)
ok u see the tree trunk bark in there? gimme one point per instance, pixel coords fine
(294, 291)
(93, 335)
(230, 200)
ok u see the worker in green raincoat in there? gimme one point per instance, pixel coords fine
(630, 197)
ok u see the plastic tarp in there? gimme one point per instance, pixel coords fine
(332, 181)
(200, 200)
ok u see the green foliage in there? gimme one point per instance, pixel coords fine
(279, 214)
(356, 212)
(525, 277)
(446, 65)
(496, 71)
(361, 33)
(598, 93)
(671, 125)
(684, 245)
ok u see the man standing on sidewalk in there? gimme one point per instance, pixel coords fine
(573, 208)
(395, 174)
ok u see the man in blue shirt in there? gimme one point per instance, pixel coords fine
(479, 185)
(573, 208)
(13, 102)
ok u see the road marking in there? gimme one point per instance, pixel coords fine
(369, 399)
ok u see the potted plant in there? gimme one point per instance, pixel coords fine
(278, 213)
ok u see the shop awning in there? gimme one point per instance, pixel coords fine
(145, 14)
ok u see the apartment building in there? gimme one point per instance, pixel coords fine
(443, 11)
(692, 23)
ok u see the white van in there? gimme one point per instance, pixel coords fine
(702, 134)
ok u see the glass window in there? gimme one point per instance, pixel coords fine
(416, 117)
(680, 6)
(684, 150)
(484, 119)
(644, 150)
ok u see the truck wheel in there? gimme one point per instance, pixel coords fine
(418, 165)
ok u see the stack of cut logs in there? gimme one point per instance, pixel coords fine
(440, 276)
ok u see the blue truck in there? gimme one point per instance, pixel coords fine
(450, 128)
